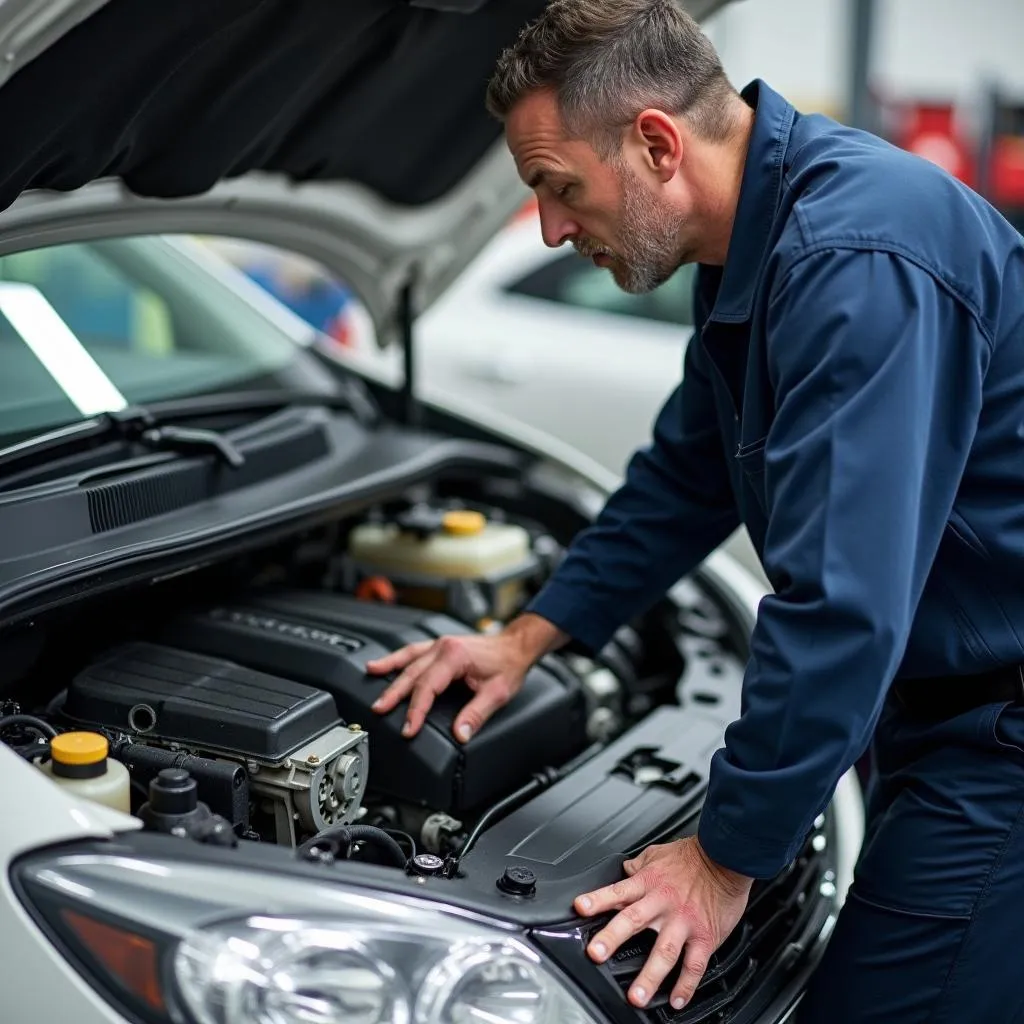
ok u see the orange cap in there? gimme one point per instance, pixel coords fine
(464, 522)
(79, 748)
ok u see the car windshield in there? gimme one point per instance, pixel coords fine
(94, 326)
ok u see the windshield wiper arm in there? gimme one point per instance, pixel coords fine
(135, 422)
(140, 426)
(354, 399)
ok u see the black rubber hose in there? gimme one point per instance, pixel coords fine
(29, 721)
(346, 835)
(398, 835)
(540, 781)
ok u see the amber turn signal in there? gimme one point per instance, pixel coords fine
(129, 959)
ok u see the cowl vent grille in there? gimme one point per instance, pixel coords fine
(157, 491)
(128, 501)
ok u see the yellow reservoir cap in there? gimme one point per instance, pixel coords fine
(464, 522)
(79, 748)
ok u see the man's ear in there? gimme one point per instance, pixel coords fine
(659, 141)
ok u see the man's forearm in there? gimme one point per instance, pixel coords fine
(674, 506)
(534, 636)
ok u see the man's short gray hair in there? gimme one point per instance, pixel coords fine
(607, 60)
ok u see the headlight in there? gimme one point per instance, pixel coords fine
(286, 971)
(328, 953)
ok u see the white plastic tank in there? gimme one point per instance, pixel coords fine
(79, 763)
(466, 546)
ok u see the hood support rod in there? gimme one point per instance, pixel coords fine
(411, 412)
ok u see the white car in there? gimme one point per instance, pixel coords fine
(207, 528)
(547, 338)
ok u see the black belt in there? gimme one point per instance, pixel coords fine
(942, 697)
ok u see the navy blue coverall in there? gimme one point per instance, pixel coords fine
(854, 394)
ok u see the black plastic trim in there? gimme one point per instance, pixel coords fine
(168, 488)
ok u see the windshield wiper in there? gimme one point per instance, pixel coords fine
(157, 426)
(140, 426)
(354, 399)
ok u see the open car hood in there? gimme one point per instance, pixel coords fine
(353, 132)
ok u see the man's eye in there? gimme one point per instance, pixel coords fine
(564, 191)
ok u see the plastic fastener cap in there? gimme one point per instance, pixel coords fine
(518, 881)
(79, 748)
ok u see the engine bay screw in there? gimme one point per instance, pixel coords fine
(355, 728)
(312, 759)
(518, 881)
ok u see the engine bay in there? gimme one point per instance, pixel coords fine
(239, 702)
(296, 715)
(228, 708)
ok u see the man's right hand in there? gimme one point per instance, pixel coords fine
(493, 667)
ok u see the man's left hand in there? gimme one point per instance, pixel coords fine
(678, 891)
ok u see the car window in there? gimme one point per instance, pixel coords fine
(305, 287)
(100, 303)
(574, 281)
(299, 283)
(159, 316)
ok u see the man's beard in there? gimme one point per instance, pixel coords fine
(649, 239)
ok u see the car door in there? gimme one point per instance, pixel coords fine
(547, 338)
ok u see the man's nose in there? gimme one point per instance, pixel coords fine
(556, 228)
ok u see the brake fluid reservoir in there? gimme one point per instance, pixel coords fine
(79, 763)
(422, 554)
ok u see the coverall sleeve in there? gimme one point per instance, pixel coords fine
(674, 507)
(878, 372)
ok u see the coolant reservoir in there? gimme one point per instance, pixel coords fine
(422, 555)
(79, 763)
(466, 546)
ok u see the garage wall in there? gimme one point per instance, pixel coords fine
(794, 45)
(925, 48)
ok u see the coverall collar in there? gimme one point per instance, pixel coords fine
(760, 191)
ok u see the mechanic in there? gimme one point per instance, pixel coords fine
(854, 394)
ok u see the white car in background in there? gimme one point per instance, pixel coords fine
(547, 338)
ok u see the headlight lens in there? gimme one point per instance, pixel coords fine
(314, 975)
(267, 970)
(473, 985)
(328, 954)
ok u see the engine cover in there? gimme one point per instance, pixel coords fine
(205, 703)
(308, 768)
(325, 640)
